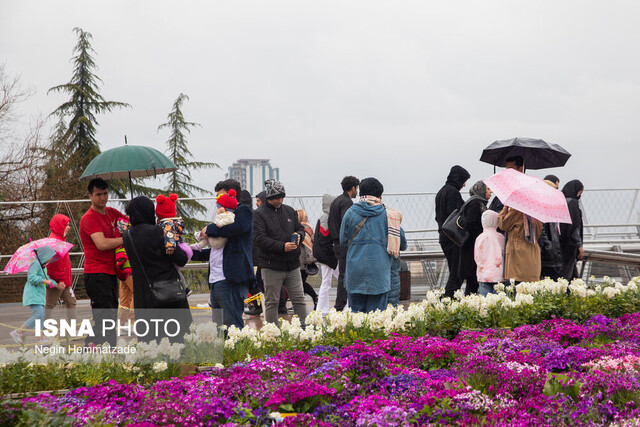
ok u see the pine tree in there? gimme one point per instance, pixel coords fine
(79, 136)
(178, 152)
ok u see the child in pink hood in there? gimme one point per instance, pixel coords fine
(489, 254)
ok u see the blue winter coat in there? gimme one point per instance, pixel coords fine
(368, 263)
(394, 293)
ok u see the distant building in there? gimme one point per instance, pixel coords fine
(252, 173)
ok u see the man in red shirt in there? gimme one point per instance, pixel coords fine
(100, 237)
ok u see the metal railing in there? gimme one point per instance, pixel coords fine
(611, 222)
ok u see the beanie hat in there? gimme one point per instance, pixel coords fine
(371, 187)
(228, 201)
(274, 189)
(166, 206)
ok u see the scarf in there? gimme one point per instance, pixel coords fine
(529, 229)
(394, 219)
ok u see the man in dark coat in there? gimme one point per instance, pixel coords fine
(230, 287)
(449, 199)
(549, 242)
(571, 235)
(338, 208)
(278, 234)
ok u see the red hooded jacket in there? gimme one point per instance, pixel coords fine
(60, 270)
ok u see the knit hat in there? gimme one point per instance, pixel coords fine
(371, 187)
(166, 206)
(274, 189)
(228, 200)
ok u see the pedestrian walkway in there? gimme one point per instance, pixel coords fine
(13, 314)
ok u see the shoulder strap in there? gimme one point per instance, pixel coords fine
(358, 228)
(127, 234)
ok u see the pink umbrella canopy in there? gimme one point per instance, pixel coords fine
(26, 254)
(530, 195)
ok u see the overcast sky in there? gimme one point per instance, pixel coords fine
(398, 90)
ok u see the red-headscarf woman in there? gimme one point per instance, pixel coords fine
(60, 271)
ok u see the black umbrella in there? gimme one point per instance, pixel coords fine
(537, 154)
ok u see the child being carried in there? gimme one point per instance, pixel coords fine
(226, 204)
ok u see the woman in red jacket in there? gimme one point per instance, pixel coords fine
(60, 271)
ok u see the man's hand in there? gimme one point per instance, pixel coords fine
(580, 253)
(290, 246)
(61, 286)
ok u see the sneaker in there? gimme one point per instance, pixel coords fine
(17, 336)
(189, 292)
(254, 310)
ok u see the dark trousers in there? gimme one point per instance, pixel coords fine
(341, 295)
(102, 289)
(452, 253)
(552, 273)
(308, 289)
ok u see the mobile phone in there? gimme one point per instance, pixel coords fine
(294, 238)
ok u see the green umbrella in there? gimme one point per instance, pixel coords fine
(128, 161)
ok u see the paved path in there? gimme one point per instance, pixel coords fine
(14, 314)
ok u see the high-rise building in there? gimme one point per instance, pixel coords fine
(252, 173)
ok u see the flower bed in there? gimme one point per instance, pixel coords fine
(557, 372)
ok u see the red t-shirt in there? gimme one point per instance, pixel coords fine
(95, 260)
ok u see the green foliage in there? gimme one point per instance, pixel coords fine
(560, 383)
(84, 103)
(73, 143)
(180, 180)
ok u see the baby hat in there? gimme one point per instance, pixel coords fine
(228, 201)
(166, 206)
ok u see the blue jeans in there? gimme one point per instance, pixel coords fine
(230, 298)
(37, 312)
(486, 288)
(361, 303)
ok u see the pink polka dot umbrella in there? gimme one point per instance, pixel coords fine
(530, 195)
(25, 254)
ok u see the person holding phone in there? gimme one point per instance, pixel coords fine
(277, 234)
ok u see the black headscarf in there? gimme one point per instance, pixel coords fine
(245, 198)
(142, 211)
(458, 176)
(572, 188)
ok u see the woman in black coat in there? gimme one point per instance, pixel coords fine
(149, 256)
(571, 234)
(473, 210)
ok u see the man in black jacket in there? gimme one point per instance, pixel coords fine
(278, 234)
(338, 208)
(449, 199)
(230, 267)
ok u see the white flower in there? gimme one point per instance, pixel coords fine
(159, 366)
(610, 292)
(270, 332)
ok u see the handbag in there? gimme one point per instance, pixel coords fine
(169, 293)
(455, 226)
(312, 268)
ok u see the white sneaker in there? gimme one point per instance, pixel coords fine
(17, 336)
